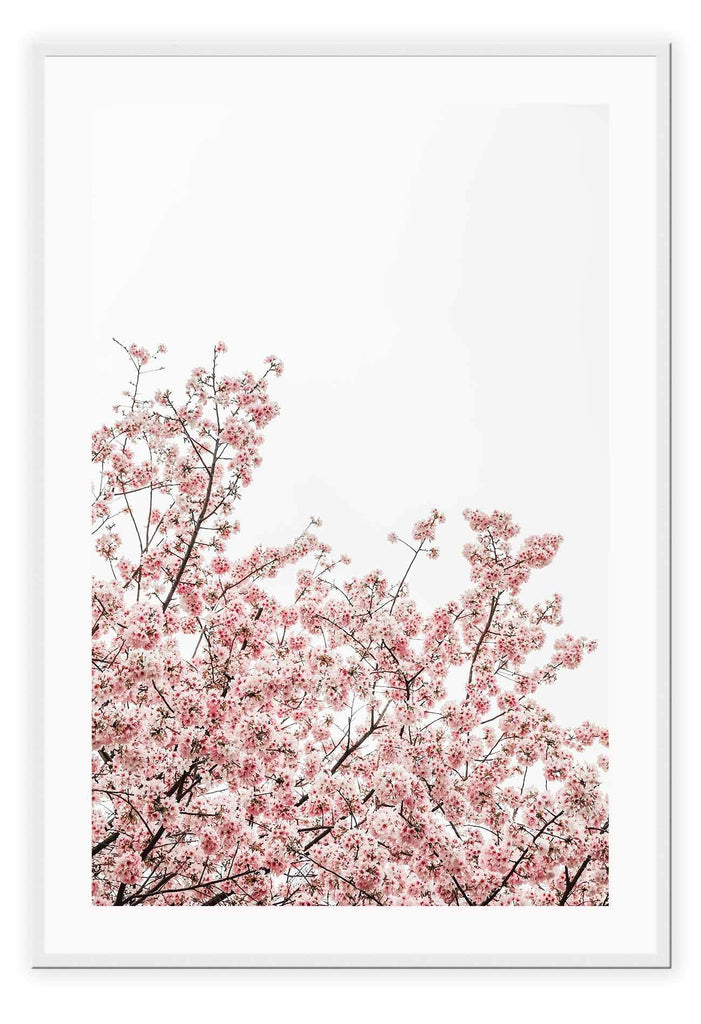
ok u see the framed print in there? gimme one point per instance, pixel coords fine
(355, 485)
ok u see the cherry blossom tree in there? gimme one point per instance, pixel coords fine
(251, 750)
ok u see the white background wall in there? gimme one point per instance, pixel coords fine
(86, 996)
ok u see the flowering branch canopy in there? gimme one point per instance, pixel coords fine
(254, 751)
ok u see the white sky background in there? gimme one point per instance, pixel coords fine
(433, 273)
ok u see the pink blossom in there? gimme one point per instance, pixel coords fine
(345, 745)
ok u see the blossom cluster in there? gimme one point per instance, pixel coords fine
(315, 751)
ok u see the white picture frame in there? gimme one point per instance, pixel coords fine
(630, 932)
